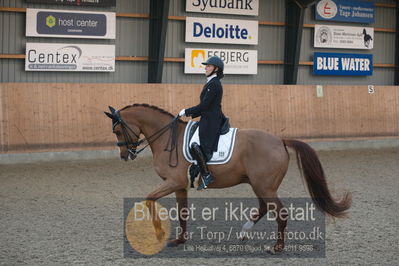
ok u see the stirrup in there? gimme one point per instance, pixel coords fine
(205, 181)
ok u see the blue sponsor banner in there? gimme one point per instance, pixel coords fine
(347, 11)
(339, 64)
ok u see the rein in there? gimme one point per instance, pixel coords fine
(171, 145)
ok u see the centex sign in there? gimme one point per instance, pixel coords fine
(221, 31)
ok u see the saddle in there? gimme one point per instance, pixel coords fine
(221, 156)
(224, 130)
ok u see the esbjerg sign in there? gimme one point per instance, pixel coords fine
(235, 61)
(69, 57)
(70, 24)
(335, 36)
(232, 7)
(206, 30)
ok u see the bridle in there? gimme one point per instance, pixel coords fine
(132, 150)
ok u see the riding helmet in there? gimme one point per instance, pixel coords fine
(216, 61)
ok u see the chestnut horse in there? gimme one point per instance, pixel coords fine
(259, 159)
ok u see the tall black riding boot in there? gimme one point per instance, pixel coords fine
(206, 177)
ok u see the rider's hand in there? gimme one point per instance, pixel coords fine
(182, 112)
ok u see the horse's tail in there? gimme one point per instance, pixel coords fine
(311, 169)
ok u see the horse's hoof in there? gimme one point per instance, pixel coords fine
(174, 243)
(243, 238)
(278, 248)
(160, 235)
(270, 250)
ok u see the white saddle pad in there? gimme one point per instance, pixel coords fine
(225, 145)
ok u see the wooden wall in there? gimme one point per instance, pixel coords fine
(54, 117)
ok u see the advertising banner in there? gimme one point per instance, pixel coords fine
(339, 64)
(347, 11)
(242, 62)
(70, 24)
(232, 31)
(332, 36)
(99, 3)
(231, 7)
(69, 57)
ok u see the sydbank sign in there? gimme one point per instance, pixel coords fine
(69, 57)
(210, 30)
(70, 24)
(345, 10)
(235, 61)
(231, 7)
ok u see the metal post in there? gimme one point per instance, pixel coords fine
(294, 14)
(293, 38)
(396, 82)
(159, 10)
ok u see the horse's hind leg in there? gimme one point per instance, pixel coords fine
(254, 219)
(269, 201)
(281, 218)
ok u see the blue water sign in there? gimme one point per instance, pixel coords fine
(339, 64)
(348, 11)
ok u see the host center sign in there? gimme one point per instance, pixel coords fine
(60, 23)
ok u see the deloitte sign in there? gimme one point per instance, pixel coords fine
(207, 30)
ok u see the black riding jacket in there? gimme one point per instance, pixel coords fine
(210, 111)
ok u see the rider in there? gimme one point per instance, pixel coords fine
(212, 118)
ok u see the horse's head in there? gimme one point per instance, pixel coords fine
(127, 135)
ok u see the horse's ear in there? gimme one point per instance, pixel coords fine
(109, 115)
(112, 109)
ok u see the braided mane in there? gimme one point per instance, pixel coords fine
(153, 107)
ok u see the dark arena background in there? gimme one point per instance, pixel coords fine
(324, 72)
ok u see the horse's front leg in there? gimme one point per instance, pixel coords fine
(165, 189)
(181, 199)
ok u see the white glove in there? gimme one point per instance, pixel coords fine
(182, 112)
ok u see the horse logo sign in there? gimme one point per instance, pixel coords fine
(343, 37)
